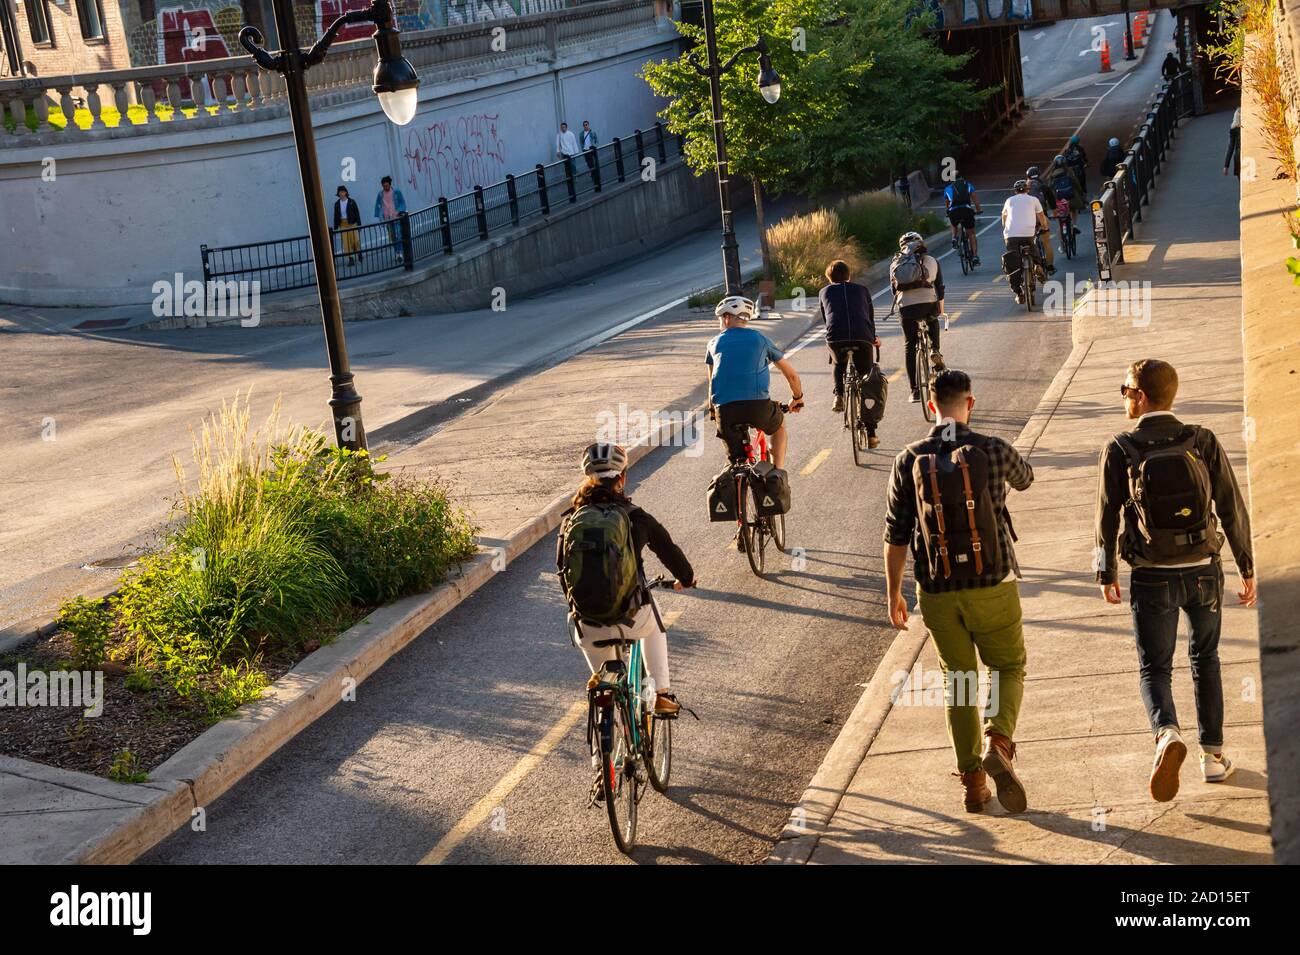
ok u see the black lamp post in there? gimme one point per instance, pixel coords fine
(1129, 52)
(395, 83)
(769, 84)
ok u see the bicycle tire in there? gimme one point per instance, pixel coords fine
(659, 755)
(777, 523)
(618, 777)
(756, 545)
(853, 408)
(923, 373)
(961, 254)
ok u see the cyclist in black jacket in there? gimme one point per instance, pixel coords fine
(605, 467)
(850, 326)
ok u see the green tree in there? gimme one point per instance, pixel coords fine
(768, 144)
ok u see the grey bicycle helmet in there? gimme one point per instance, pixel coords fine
(604, 460)
(908, 238)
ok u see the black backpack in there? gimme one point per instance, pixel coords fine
(959, 527)
(1170, 507)
(1063, 184)
(961, 193)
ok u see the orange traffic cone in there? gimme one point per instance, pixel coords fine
(1140, 31)
(1105, 56)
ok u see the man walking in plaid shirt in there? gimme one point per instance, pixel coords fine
(970, 614)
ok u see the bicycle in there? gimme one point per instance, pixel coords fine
(964, 251)
(1069, 243)
(926, 366)
(754, 529)
(634, 745)
(853, 407)
(1029, 271)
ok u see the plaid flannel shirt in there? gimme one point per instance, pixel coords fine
(903, 527)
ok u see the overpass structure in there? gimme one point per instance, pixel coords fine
(973, 14)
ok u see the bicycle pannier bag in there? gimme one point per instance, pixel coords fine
(771, 489)
(1169, 509)
(597, 559)
(909, 271)
(722, 497)
(875, 391)
(959, 528)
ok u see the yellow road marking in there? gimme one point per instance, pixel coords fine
(953, 316)
(816, 462)
(976, 294)
(482, 810)
(897, 375)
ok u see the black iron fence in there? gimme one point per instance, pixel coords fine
(1122, 197)
(442, 229)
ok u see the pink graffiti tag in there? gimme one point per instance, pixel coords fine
(327, 11)
(451, 157)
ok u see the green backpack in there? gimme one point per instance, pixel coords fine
(597, 560)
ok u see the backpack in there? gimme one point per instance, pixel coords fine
(1074, 156)
(722, 497)
(1169, 508)
(909, 271)
(959, 528)
(1063, 184)
(1035, 189)
(598, 565)
(960, 193)
(875, 391)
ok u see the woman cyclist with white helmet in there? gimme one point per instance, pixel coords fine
(605, 470)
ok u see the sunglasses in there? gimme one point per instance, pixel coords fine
(1129, 392)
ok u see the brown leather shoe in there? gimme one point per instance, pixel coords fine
(998, 755)
(976, 783)
(666, 705)
(873, 441)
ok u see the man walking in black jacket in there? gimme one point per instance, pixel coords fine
(1174, 487)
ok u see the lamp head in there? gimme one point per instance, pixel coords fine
(396, 82)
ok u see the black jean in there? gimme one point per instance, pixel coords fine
(1156, 596)
(910, 317)
(1015, 244)
(864, 356)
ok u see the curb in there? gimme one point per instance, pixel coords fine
(209, 765)
(817, 807)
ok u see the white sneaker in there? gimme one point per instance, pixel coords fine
(1216, 768)
(1170, 753)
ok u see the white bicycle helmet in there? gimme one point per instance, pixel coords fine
(604, 460)
(736, 305)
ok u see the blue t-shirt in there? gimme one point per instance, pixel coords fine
(739, 358)
(951, 192)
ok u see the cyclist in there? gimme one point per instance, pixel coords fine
(1047, 199)
(1022, 219)
(850, 329)
(605, 468)
(959, 197)
(1077, 159)
(1068, 190)
(1110, 162)
(917, 281)
(738, 359)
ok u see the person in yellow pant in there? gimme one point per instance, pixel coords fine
(347, 217)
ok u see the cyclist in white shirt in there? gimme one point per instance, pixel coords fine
(1022, 219)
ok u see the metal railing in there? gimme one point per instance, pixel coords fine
(414, 237)
(1122, 196)
(205, 92)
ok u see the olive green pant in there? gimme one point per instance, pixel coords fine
(983, 621)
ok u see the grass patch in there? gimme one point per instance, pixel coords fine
(876, 220)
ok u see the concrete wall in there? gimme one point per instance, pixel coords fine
(97, 223)
(574, 240)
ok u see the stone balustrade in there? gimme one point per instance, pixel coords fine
(207, 92)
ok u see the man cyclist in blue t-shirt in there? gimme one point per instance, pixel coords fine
(738, 361)
(963, 205)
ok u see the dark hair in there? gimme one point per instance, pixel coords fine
(596, 490)
(385, 179)
(1157, 379)
(948, 386)
(341, 189)
(838, 271)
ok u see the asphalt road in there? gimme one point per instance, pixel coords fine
(91, 420)
(1056, 54)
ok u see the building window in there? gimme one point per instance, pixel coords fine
(38, 20)
(91, 15)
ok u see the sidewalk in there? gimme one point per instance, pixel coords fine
(885, 793)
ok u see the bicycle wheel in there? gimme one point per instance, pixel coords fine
(923, 374)
(963, 253)
(777, 525)
(660, 755)
(756, 545)
(853, 409)
(618, 776)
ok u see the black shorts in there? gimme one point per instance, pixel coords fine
(736, 417)
(964, 217)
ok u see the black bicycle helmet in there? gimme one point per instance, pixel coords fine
(1021, 185)
(1031, 172)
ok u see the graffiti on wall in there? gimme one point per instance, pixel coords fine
(188, 35)
(452, 156)
(476, 11)
(327, 11)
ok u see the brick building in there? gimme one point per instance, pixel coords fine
(52, 37)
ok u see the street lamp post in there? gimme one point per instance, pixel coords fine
(769, 85)
(395, 83)
(1129, 52)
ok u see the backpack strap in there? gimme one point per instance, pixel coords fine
(938, 514)
(970, 511)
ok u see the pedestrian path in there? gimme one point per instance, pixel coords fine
(1084, 747)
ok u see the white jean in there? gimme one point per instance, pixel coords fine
(645, 628)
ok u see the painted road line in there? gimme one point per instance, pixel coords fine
(482, 810)
(670, 618)
(974, 295)
(816, 462)
(896, 375)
